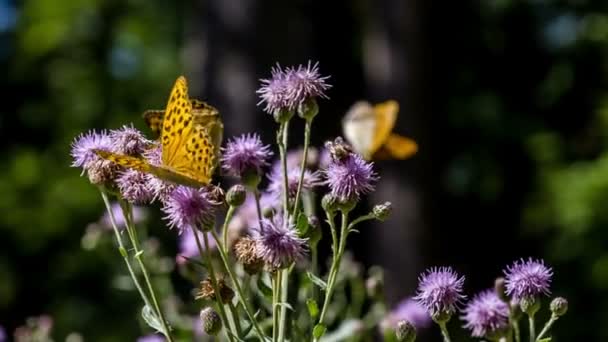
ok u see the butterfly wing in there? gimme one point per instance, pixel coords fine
(177, 123)
(154, 120)
(358, 127)
(396, 147)
(385, 114)
(195, 159)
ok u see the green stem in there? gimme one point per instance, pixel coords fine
(516, 331)
(124, 254)
(229, 215)
(444, 332)
(532, 328)
(359, 220)
(282, 142)
(335, 267)
(547, 327)
(284, 290)
(258, 207)
(238, 287)
(206, 258)
(235, 318)
(314, 270)
(307, 129)
(276, 294)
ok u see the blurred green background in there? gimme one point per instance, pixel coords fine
(507, 99)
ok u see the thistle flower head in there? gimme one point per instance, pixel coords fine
(528, 279)
(161, 190)
(134, 187)
(187, 207)
(99, 170)
(310, 180)
(128, 140)
(289, 88)
(246, 253)
(350, 177)
(440, 291)
(409, 310)
(486, 314)
(277, 242)
(245, 154)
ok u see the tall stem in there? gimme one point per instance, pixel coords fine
(307, 129)
(229, 215)
(532, 328)
(444, 332)
(206, 258)
(284, 290)
(282, 142)
(123, 251)
(276, 295)
(238, 288)
(546, 328)
(335, 267)
(258, 207)
(139, 255)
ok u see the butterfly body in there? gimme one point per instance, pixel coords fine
(190, 135)
(369, 129)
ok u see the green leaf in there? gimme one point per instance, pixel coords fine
(302, 225)
(313, 308)
(194, 261)
(546, 339)
(318, 281)
(265, 289)
(150, 318)
(319, 330)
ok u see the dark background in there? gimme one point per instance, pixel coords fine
(507, 99)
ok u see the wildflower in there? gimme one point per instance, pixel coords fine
(187, 207)
(409, 310)
(207, 292)
(212, 323)
(246, 216)
(246, 253)
(134, 187)
(310, 180)
(99, 170)
(440, 291)
(278, 243)
(290, 88)
(128, 140)
(161, 189)
(236, 195)
(382, 211)
(245, 155)
(486, 315)
(405, 331)
(528, 279)
(350, 177)
(559, 306)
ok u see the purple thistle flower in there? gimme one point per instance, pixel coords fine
(161, 189)
(134, 187)
(245, 154)
(486, 314)
(187, 207)
(289, 88)
(128, 140)
(278, 243)
(310, 180)
(409, 310)
(246, 216)
(528, 279)
(139, 215)
(151, 338)
(440, 290)
(188, 246)
(83, 146)
(350, 177)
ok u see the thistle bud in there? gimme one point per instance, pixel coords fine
(308, 109)
(236, 195)
(251, 179)
(382, 211)
(329, 203)
(282, 116)
(405, 332)
(529, 305)
(212, 323)
(442, 316)
(559, 306)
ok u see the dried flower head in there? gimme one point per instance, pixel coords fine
(244, 155)
(528, 279)
(440, 291)
(134, 187)
(128, 140)
(350, 177)
(278, 243)
(246, 253)
(486, 315)
(206, 291)
(187, 208)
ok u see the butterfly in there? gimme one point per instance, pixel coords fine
(188, 154)
(369, 130)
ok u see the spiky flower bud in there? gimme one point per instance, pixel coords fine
(236, 195)
(559, 306)
(308, 109)
(530, 305)
(405, 332)
(329, 203)
(212, 323)
(246, 253)
(382, 211)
